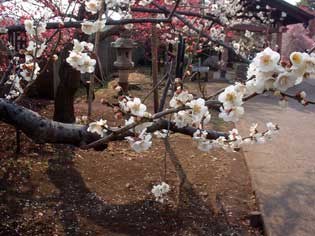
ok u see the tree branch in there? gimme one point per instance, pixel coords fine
(173, 10)
(202, 33)
(185, 13)
(77, 24)
(43, 130)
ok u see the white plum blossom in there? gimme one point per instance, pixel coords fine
(87, 65)
(35, 29)
(302, 94)
(309, 61)
(199, 110)
(136, 107)
(233, 134)
(232, 100)
(232, 114)
(182, 119)
(100, 25)
(77, 46)
(33, 48)
(119, 3)
(261, 138)
(204, 144)
(89, 27)
(284, 81)
(168, 2)
(29, 26)
(139, 128)
(272, 129)
(160, 191)
(221, 142)
(123, 104)
(235, 140)
(12, 94)
(144, 2)
(140, 143)
(80, 60)
(265, 73)
(30, 70)
(231, 97)
(266, 60)
(93, 6)
(75, 59)
(206, 118)
(128, 26)
(99, 127)
(180, 99)
(81, 46)
(297, 59)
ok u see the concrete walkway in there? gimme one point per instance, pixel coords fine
(283, 171)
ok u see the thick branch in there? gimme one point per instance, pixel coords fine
(77, 24)
(43, 130)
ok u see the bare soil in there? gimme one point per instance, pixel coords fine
(58, 190)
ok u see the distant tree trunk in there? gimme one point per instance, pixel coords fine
(154, 50)
(69, 84)
(69, 81)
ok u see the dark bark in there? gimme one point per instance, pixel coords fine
(69, 84)
(43, 87)
(42, 130)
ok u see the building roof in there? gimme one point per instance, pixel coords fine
(294, 14)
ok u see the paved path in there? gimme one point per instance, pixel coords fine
(283, 171)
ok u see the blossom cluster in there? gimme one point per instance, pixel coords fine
(27, 69)
(79, 57)
(234, 140)
(266, 73)
(91, 27)
(35, 29)
(160, 192)
(99, 127)
(246, 43)
(137, 111)
(196, 114)
(232, 101)
(137, 114)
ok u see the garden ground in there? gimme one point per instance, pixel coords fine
(58, 190)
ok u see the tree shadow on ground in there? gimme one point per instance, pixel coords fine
(292, 212)
(192, 216)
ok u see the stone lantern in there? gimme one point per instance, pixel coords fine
(124, 63)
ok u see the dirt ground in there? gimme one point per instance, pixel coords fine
(57, 190)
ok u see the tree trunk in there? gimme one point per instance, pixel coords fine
(69, 84)
(154, 50)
